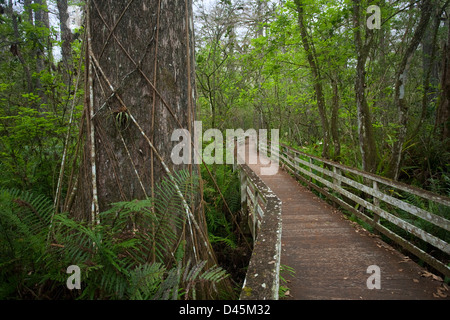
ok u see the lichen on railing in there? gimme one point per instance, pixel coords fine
(264, 212)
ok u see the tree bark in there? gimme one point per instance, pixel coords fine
(15, 47)
(123, 44)
(367, 143)
(317, 78)
(44, 55)
(400, 87)
(442, 125)
(334, 123)
(430, 67)
(66, 35)
(126, 40)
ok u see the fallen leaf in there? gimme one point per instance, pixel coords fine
(405, 259)
(426, 274)
(416, 281)
(437, 278)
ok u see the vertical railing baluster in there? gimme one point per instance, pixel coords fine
(243, 178)
(376, 201)
(337, 171)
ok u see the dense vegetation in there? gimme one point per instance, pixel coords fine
(294, 66)
(373, 99)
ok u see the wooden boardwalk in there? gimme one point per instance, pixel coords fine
(331, 254)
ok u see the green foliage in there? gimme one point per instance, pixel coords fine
(134, 253)
(284, 289)
(24, 225)
(29, 145)
(115, 258)
(228, 234)
(261, 78)
(34, 102)
(220, 223)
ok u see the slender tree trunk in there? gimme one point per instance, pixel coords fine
(317, 78)
(44, 50)
(15, 47)
(28, 10)
(334, 123)
(442, 125)
(367, 143)
(260, 13)
(430, 70)
(400, 87)
(66, 36)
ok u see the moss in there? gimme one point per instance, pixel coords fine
(247, 291)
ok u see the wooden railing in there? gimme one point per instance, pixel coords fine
(264, 218)
(394, 209)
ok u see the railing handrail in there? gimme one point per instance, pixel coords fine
(396, 184)
(304, 171)
(262, 278)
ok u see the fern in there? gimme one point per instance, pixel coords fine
(145, 280)
(153, 281)
(231, 243)
(116, 257)
(220, 223)
(284, 289)
(135, 253)
(193, 276)
(24, 223)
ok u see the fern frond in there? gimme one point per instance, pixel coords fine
(145, 280)
(169, 286)
(214, 274)
(194, 275)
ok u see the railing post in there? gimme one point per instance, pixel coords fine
(337, 171)
(255, 213)
(262, 279)
(376, 202)
(243, 179)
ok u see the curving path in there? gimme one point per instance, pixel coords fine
(331, 255)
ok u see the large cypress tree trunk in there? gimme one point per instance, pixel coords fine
(125, 46)
(139, 89)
